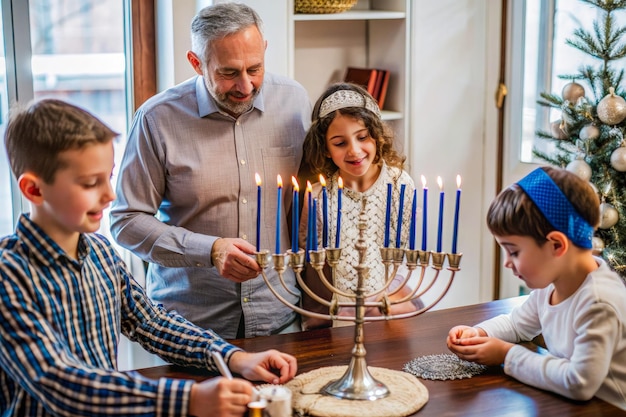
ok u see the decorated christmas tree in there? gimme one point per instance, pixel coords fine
(589, 136)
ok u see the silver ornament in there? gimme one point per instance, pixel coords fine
(618, 159)
(612, 108)
(589, 132)
(572, 92)
(559, 129)
(581, 168)
(608, 216)
(597, 245)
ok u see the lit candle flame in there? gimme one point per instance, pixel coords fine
(279, 180)
(322, 180)
(423, 181)
(340, 182)
(257, 177)
(309, 187)
(440, 183)
(296, 186)
(458, 181)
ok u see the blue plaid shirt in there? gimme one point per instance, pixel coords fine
(60, 321)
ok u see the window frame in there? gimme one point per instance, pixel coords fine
(143, 51)
(19, 76)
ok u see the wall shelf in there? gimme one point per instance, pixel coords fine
(352, 15)
(316, 49)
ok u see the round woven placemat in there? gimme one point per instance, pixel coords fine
(407, 395)
(442, 367)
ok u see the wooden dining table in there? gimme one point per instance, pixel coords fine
(391, 344)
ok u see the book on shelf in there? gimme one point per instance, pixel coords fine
(382, 93)
(375, 81)
(365, 77)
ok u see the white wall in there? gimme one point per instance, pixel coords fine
(173, 20)
(454, 126)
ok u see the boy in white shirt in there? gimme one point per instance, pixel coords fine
(545, 223)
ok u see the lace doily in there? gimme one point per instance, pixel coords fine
(442, 367)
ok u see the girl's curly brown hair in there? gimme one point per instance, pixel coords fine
(315, 149)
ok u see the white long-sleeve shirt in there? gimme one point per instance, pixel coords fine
(585, 336)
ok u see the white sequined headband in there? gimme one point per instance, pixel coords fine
(347, 98)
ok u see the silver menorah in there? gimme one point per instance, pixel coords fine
(357, 383)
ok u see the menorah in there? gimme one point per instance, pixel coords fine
(357, 383)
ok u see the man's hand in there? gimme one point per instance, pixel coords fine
(270, 366)
(232, 259)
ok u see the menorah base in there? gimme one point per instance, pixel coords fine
(356, 384)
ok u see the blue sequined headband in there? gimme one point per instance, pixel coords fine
(557, 209)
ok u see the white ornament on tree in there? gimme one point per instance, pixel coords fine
(608, 216)
(612, 108)
(618, 159)
(579, 167)
(589, 132)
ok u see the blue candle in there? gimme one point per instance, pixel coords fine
(314, 226)
(339, 193)
(424, 213)
(309, 228)
(400, 210)
(279, 180)
(412, 226)
(295, 215)
(455, 230)
(388, 216)
(258, 212)
(440, 227)
(324, 212)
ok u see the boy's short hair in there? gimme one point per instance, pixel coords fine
(38, 133)
(513, 213)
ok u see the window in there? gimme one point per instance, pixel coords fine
(546, 56)
(76, 53)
